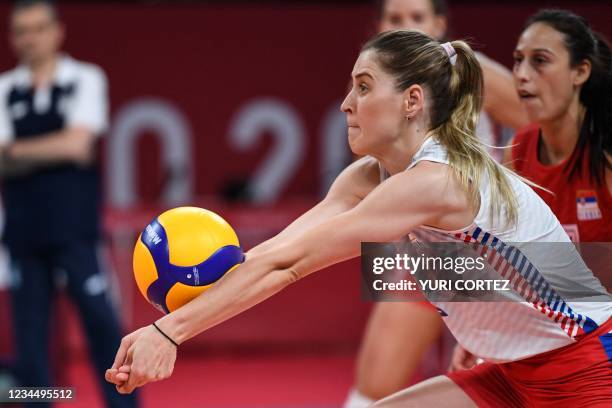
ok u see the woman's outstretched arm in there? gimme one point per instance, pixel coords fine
(350, 187)
(391, 210)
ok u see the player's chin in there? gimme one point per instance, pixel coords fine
(536, 113)
(356, 144)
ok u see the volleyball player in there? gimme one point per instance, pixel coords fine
(563, 75)
(385, 364)
(413, 110)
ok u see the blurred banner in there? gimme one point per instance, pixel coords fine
(236, 101)
(241, 101)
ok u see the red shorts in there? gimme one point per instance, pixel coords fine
(427, 305)
(577, 375)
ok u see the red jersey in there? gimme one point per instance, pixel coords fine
(583, 208)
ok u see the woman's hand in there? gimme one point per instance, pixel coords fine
(462, 359)
(143, 356)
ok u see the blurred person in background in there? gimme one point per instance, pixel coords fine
(563, 75)
(385, 363)
(52, 110)
(501, 105)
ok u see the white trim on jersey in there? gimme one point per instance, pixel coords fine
(536, 317)
(6, 125)
(89, 107)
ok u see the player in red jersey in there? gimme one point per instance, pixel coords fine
(563, 76)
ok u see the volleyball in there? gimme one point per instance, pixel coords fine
(181, 254)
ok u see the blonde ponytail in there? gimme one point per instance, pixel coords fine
(466, 153)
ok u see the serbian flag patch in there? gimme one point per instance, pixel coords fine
(586, 205)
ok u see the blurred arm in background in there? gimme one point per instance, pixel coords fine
(501, 101)
(70, 145)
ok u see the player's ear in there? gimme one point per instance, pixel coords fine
(413, 100)
(582, 72)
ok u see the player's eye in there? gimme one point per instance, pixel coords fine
(537, 60)
(517, 60)
(395, 20)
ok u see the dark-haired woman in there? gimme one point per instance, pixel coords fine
(563, 75)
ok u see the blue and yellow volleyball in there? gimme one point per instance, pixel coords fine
(181, 254)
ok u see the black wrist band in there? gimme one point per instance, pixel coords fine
(165, 335)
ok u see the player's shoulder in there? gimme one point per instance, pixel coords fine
(358, 179)
(427, 171)
(83, 70)
(526, 134)
(429, 184)
(366, 164)
(369, 170)
(365, 167)
(426, 176)
(6, 76)
(7, 79)
(521, 146)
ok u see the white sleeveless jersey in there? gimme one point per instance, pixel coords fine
(536, 318)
